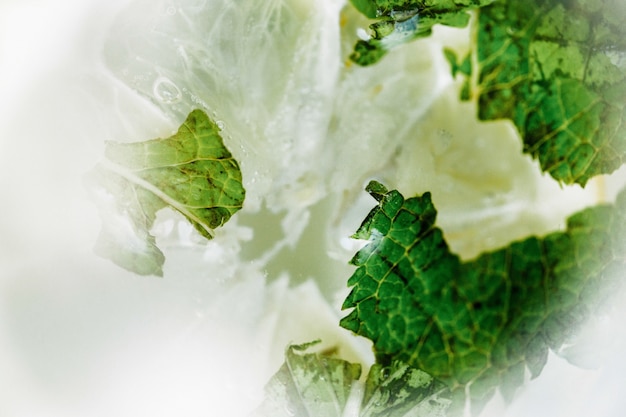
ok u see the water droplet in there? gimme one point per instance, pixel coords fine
(166, 91)
(362, 34)
(220, 124)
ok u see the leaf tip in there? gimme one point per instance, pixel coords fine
(376, 190)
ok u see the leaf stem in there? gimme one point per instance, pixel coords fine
(134, 179)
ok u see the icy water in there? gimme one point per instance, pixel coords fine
(81, 337)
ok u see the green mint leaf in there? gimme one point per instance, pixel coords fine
(557, 69)
(317, 385)
(366, 7)
(403, 391)
(477, 324)
(402, 21)
(191, 172)
(309, 385)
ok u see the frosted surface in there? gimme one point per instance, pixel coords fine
(80, 337)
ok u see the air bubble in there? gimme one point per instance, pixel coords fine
(171, 11)
(220, 124)
(166, 91)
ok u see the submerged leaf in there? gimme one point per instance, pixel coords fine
(191, 172)
(309, 384)
(402, 21)
(400, 390)
(316, 385)
(477, 324)
(558, 70)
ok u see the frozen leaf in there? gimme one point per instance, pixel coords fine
(309, 384)
(317, 385)
(477, 324)
(400, 390)
(558, 70)
(401, 21)
(191, 172)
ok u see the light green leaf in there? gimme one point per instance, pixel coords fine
(317, 385)
(481, 323)
(402, 21)
(191, 172)
(309, 384)
(400, 390)
(558, 70)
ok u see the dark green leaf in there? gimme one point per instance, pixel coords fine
(478, 323)
(366, 7)
(191, 172)
(558, 70)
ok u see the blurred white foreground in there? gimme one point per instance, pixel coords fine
(81, 337)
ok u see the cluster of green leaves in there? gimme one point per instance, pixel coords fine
(477, 325)
(401, 21)
(557, 70)
(191, 172)
(315, 385)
